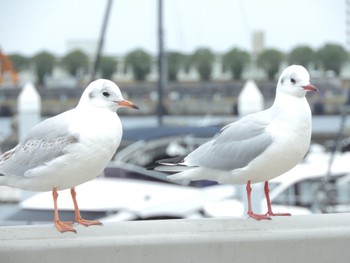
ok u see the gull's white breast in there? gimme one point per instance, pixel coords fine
(99, 136)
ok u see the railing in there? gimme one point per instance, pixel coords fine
(315, 238)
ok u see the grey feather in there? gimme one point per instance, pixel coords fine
(33, 153)
(51, 128)
(234, 147)
(43, 143)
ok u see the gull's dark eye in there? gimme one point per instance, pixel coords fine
(105, 93)
(292, 80)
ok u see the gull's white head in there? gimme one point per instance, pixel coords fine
(104, 93)
(295, 80)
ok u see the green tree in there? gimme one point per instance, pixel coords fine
(235, 60)
(175, 61)
(187, 62)
(140, 61)
(302, 55)
(44, 63)
(108, 65)
(74, 61)
(202, 59)
(19, 62)
(270, 61)
(331, 57)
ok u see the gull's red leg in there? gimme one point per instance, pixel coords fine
(250, 210)
(78, 218)
(60, 225)
(269, 207)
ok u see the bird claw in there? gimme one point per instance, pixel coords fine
(65, 226)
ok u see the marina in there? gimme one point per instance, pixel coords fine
(212, 162)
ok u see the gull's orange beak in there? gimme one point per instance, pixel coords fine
(310, 88)
(128, 104)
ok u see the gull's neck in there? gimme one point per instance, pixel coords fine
(285, 100)
(290, 105)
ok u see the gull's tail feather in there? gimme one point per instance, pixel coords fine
(171, 168)
(195, 174)
(172, 161)
(171, 165)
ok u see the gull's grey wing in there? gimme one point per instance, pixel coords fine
(51, 128)
(33, 153)
(43, 143)
(234, 147)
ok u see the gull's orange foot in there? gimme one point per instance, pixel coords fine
(87, 222)
(65, 226)
(259, 216)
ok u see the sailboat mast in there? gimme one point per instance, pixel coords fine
(161, 64)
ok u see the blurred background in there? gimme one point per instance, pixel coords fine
(192, 67)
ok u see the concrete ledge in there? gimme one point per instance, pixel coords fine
(316, 238)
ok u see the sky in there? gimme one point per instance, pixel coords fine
(28, 27)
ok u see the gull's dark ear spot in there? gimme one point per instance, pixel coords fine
(282, 80)
(91, 95)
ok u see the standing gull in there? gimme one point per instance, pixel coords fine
(259, 146)
(69, 149)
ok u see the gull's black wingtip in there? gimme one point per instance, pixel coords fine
(171, 161)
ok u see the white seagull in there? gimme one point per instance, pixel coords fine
(69, 149)
(259, 146)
